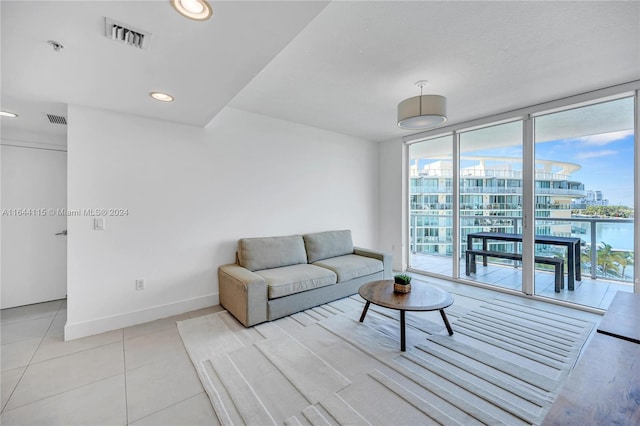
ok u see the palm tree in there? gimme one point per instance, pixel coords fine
(625, 260)
(585, 257)
(607, 260)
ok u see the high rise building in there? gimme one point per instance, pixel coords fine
(591, 198)
(490, 200)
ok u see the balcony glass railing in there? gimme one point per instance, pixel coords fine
(491, 206)
(572, 192)
(606, 249)
(482, 173)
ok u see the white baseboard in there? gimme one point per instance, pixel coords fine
(114, 322)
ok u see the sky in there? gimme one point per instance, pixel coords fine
(606, 160)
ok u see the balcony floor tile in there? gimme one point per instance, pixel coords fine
(588, 292)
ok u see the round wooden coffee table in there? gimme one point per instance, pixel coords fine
(422, 297)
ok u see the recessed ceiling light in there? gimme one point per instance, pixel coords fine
(198, 10)
(159, 96)
(8, 114)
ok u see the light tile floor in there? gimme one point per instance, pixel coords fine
(139, 375)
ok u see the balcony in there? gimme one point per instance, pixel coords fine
(614, 264)
(596, 293)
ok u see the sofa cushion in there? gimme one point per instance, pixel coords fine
(323, 245)
(351, 266)
(295, 279)
(271, 252)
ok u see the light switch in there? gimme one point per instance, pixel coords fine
(98, 224)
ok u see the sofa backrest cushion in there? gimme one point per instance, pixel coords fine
(271, 252)
(323, 245)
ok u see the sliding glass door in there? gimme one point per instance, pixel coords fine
(491, 199)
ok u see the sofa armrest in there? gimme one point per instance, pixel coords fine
(243, 293)
(385, 258)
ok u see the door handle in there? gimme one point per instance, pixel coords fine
(62, 233)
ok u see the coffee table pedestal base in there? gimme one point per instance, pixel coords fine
(403, 338)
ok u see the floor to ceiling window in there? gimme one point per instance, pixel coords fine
(584, 189)
(431, 205)
(571, 172)
(491, 197)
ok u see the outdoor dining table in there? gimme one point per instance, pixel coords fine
(572, 244)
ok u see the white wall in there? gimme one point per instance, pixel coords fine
(393, 211)
(191, 193)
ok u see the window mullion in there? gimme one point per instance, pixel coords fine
(528, 207)
(455, 211)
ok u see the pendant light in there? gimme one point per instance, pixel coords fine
(422, 112)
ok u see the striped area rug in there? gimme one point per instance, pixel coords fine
(504, 364)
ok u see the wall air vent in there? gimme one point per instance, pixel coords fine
(57, 119)
(126, 34)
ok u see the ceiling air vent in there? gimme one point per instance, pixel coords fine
(57, 119)
(126, 34)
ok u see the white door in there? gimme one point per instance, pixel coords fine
(34, 194)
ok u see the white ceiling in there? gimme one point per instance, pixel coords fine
(343, 66)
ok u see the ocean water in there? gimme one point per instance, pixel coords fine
(618, 235)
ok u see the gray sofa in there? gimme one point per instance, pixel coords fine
(277, 276)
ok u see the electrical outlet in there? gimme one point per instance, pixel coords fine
(139, 284)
